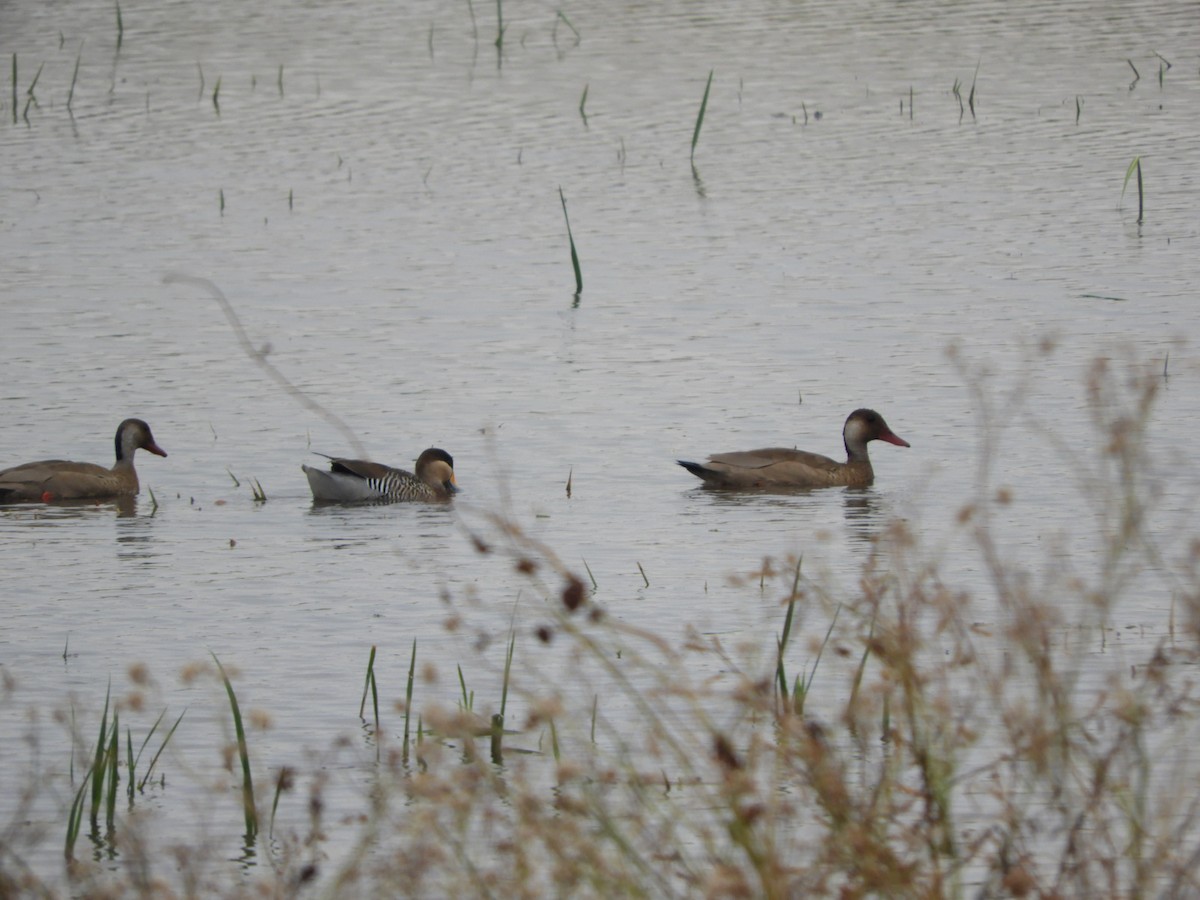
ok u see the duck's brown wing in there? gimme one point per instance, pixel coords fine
(61, 479)
(364, 468)
(775, 456)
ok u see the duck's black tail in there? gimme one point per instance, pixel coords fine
(695, 468)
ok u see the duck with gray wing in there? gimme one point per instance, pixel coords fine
(357, 480)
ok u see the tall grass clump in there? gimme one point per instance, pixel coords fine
(958, 719)
(102, 777)
(950, 746)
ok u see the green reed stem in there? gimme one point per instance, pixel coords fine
(561, 17)
(74, 78)
(75, 817)
(700, 117)
(408, 695)
(369, 685)
(468, 699)
(804, 686)
(1135, 166)
(1139, 177)
(161, 747)
(248, 808)
(571, 241)
(862, 667)
(98, 761)
(130, 763)
(111, 758)
(374, 696)
(33, 84)
(782, 640)
(497, 723)
(282, 783)
(512, 643)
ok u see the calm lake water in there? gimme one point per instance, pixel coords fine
(376, 191)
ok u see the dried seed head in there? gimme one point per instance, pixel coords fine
(286, 779)
(573, 595)
(724, 753)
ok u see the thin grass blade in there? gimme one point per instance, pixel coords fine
(248, 808)
(700, 117)
(98, 762)
(362, 704)
(162, 747)
(408, 695)
(571, 241)
(75, 817)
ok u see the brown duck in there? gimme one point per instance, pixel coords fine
(355, 480)
(56, 479)
(778, 467)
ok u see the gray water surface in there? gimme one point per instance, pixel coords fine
(384, 215)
